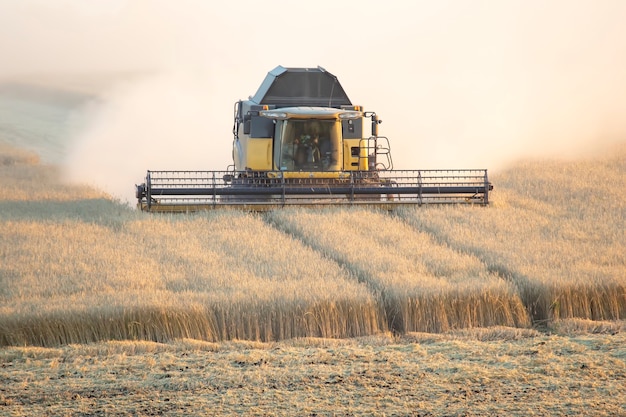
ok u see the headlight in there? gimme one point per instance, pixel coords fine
(272, 114)
(350, 115)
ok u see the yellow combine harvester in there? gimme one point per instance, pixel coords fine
(299, 141)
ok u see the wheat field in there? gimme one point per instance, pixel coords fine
(79, 267)
(102, 271)
(513, 309)
(423, 286)
(557, 231)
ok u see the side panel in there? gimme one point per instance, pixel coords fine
(239, 152)
(261, 127)
(354, 155)
(259, 154)
(352, 129)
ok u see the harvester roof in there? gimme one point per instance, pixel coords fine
(285, 87)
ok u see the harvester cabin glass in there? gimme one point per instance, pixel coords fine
(308, 145)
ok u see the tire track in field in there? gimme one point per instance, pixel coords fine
(354, 272)
(528, 292)
(423, 286)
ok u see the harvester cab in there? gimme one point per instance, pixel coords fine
(299, 141)
(301, 120)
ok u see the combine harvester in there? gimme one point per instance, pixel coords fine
(299, 141)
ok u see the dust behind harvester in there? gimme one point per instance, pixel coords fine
(299, 141)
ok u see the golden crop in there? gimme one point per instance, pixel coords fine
(77, 266)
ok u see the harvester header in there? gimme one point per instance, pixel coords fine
(299, 141)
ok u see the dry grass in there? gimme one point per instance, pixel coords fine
(463, 373)
(24, 179)
(171, 299)
(210, 277)
(11, 156)
(423, 285)
(77, 267)
(556, 230)
(81, 268)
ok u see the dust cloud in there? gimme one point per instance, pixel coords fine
(160, 122)
(457, 84)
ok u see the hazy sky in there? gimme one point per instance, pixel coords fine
(457, 83)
